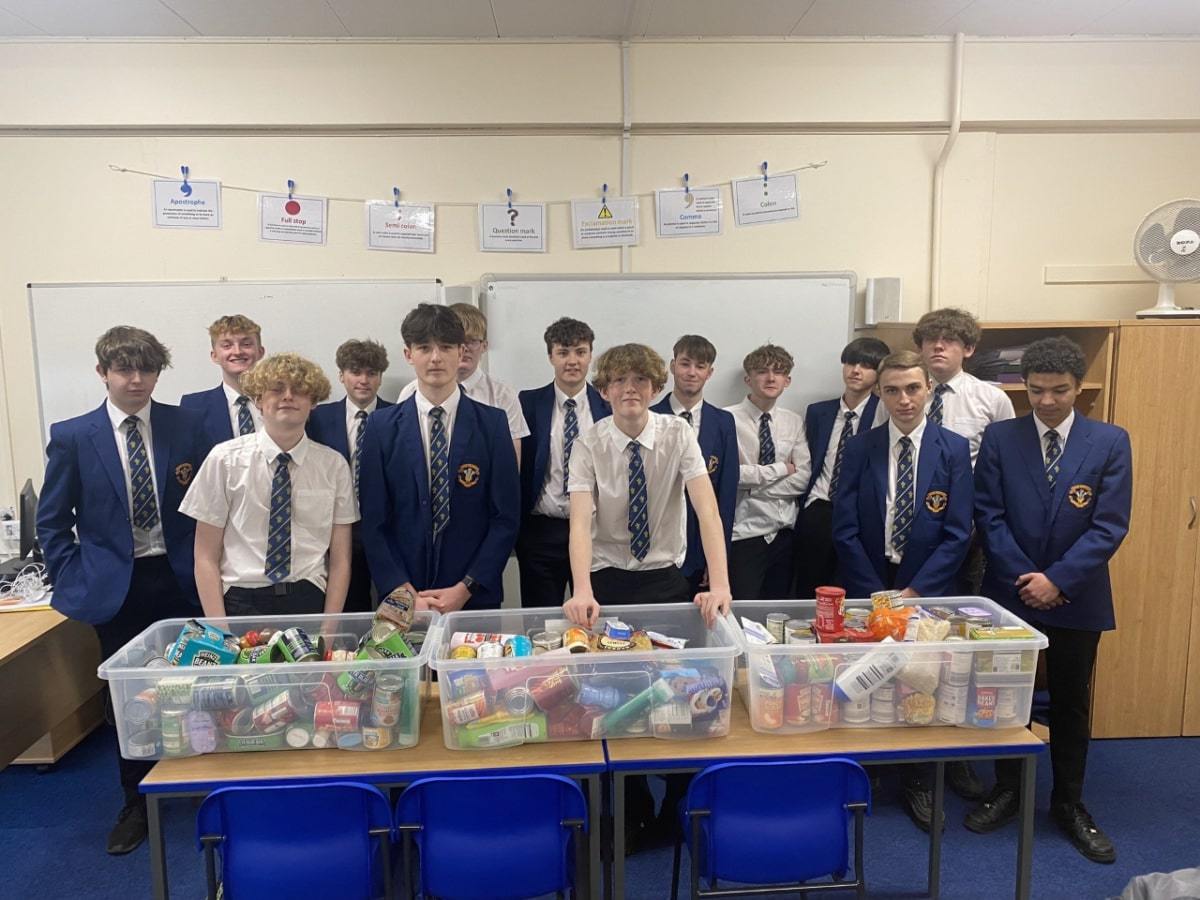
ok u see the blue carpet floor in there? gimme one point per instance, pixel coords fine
(1145, 793)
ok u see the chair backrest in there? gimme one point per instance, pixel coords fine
(298, 841)
(777, 821)
(495, 837)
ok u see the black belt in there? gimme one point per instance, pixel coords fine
(279, 589)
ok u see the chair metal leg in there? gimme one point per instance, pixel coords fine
(697, 852)
(406, 872)
(583, 869)
(210, 869)
(675, 867)
(859, 874)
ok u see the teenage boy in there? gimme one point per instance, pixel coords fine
(478, 384)
(692, 361)
(228, 412)
(272, 506)
(440, 498)
(966, 406)
(1052, 505)
(773, 475)
(902, 512)
(557, 414)
(341, 425)
(829, 425)
(117, 549)
(629, 478)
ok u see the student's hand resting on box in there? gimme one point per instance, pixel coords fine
(581, 610)
(713, 604)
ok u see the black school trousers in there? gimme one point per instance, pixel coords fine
(759, 570)
(816, 558)
(1070, 659)
(543, 560)
(154, 594)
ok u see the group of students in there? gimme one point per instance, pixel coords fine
(258, 497)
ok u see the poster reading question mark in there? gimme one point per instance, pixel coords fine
(512, 228)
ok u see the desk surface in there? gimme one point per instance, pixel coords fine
(428, 757)
(20, 629)
(860, 743)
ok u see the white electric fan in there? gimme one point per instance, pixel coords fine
(1166, 247)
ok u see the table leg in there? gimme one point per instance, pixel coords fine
(1025, 839)
(618, 836)
(158, 848)
(935, 829)
(595, 817)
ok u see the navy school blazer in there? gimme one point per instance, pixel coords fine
(818, 429)
(1068, 535)
(941, 529)
(718, 446)
(327, 425)
(214, 408)
(397, 525)
(84, 494)
(537, 405)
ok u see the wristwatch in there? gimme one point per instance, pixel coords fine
(471, 585)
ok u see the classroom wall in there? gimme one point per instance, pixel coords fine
(1066, 144)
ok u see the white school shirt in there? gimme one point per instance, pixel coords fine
(552, 500)
(232, 491)
(820, 488)
(145, 542)
(600, 465)
(766, 497)
(449, 412)
(894, 436)
(1063, 430)
(971, 405)
(490, 392)
(231, 397)
(352, 421)
(696, 411)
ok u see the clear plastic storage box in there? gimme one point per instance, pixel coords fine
(361, 701)
(799, 687)
(559, 695)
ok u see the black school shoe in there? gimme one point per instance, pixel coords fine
(961, 778)
(918, 803)
(129, 831)
(1000, 808)
(1076, 823)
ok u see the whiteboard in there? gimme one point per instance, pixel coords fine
(308, 317)
(809, 314)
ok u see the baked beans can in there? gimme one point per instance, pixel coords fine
(359, 681)
(337, 715)
(259, 653)
(468, 709)
(297, 646)
(553, 689)
(775, 625)
(174, 732)
(376, 737)
(399, 607)
(769, 709)
(463, 651)
(280, 710)
(518, 645)
(387, 699)
(490, 650)
(797, 704)
(982, 710)
(576, 640)
(831, 609)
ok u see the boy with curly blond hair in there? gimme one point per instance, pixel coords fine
(272, 505)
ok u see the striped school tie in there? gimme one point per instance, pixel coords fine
(935, 408)
(570, 432)
(361, 415)
(245, 420)
(847, 431)
(145, 504)
(439, 471)
(1053, 453)
(279, 536)
(639, 523)
(902, 511)
(686, 415)
(766, 444)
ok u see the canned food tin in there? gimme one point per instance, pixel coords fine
(463, 651)
(769, 709)
(297, 646)
(202, 731)
(239, 743)
(468, 709)
(260, 653)
(376, 737)
(775, 625)
(1006, 705)
(544, 641)
(144, 744)
(359, 681)
(275, 713)
(265, 685)
(883, 710)
(351, 740)
(218, 692)
(831, 609)
(339, 715)
(297, 737)
(857, 712)
(176, 691)
(387, 699)
(553, 689)
(887, 599)
(518, 645)
(142, 710)
(322, 738)
(399, 607)
(517, 700)
(174, 732)
(390, 641)
(797, 704)
(822, 703)
(798, 631)
(489, 650)
(576, 640)
(952, 704)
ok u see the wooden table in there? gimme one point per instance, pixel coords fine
(198, 776)
(49, 692)
(868, 746)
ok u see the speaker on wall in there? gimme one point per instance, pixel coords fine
(882, 301)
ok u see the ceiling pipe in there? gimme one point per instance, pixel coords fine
(939, 176)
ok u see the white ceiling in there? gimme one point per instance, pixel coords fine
(590, 18)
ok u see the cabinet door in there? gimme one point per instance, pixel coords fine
(1191, 697)
(1141, 674)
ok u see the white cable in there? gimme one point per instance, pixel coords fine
(29, 586)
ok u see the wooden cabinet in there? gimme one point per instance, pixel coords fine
(1148, 672)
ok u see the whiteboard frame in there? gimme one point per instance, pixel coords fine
(440, 295)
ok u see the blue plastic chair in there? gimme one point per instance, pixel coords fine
(301, 841)
(495, 837)
(776, 823)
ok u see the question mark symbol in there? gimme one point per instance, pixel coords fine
(512, 217)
